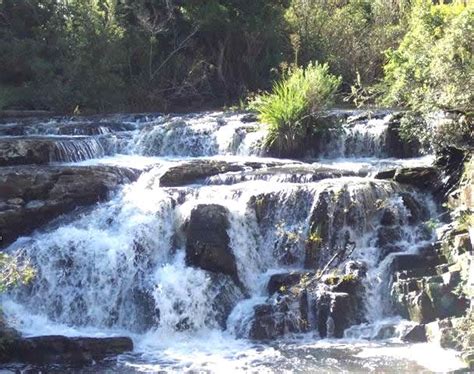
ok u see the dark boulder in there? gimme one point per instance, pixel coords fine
(282, 282)
(389, 217)
(418, 212)
(416, 334)
(228, 294)
(267, 324)
(31, 196)
(194, 171)
(207, 241)
(249, 118)
(64, 350)
(385, 174)
(423, 177)
(388, 235)
(397, 147)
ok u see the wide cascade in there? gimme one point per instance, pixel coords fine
(215, 245)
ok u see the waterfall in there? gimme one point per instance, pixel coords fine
(74, 150)
(126, 265)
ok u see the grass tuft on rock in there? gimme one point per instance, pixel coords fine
(289, 108)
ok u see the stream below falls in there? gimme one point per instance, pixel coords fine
(130, 265)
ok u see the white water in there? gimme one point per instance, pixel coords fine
(120, 269)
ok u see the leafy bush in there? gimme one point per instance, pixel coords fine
(434, 66)
(288, 108)
(350, 36)
(438, 130)
(14, 270)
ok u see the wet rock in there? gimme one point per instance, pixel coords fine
(294, 173)
(356, 268)
(420, 308)
(200, 170)
(334, 309)
(416, 334)
(64, 350)
(284, 281)
(342, 313)
(437, 331)
(395, 146)
(31, 196)
(389, 217)
(406, 261)
(42, 150)
(417, 211)
(249, 117)
(423, 177)
(207, 241)
(320, 225)
(195, 171)
(385, 174)
(388, 235)
(387, 250)
(228, 294)
(146, 312)
(22, 151)
(266, 324)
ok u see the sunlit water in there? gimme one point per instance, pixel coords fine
(92, 267)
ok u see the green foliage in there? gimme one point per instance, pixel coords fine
(14, 270)
(288, 108)
(465, 220)
(111, 55)
(349, 35)
(433, 67)
(103, 55)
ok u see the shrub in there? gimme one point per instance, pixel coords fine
(288, 108)
(349, 35)
(14, 270)
(433, 67)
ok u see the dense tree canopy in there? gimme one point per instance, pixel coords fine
(104, 55)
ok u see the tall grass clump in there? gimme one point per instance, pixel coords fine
(288, 109)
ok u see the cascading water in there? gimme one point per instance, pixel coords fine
(124, 265)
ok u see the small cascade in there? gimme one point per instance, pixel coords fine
(74, 150)
(359, 138)
(200, 135)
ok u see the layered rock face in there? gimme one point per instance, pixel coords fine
(32, 196)
(438, 290)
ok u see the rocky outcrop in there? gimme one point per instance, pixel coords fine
(454, 333)
(31, 196)
(435, 288)
(302, 302)
(197, 171)
(284, 281)
(43, 150)
(422, 296)
(422, 177)
(207, 241)
(23, 151)
(63, 350)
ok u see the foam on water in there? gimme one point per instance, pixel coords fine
(119, 268)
